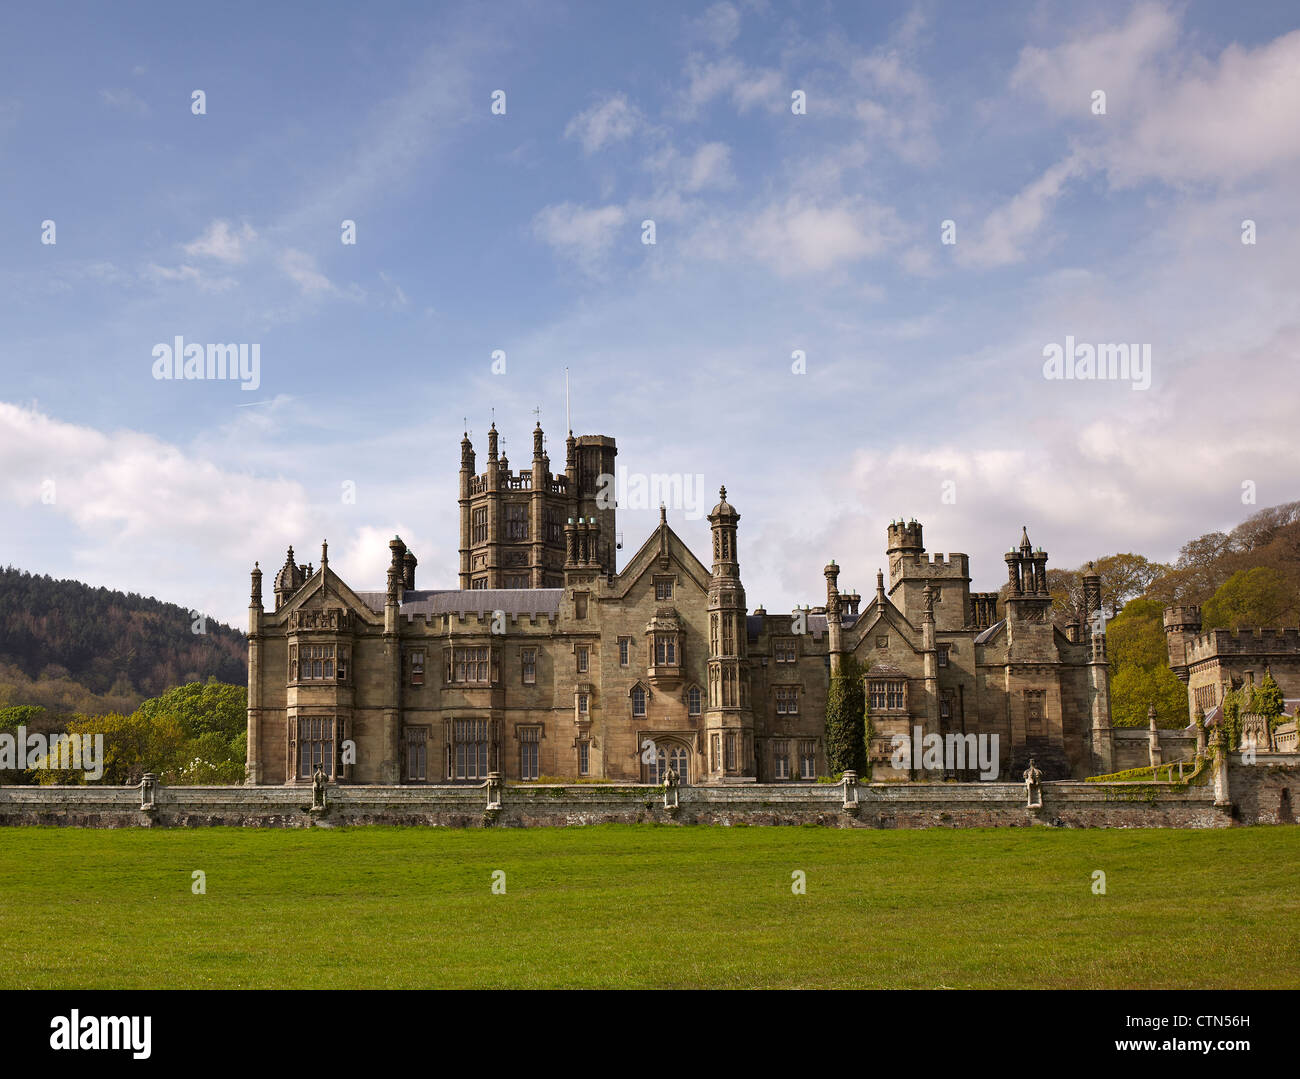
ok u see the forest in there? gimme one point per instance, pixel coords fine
(73, 648)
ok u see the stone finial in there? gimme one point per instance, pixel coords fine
(324, 554)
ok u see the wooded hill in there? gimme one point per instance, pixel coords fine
(73, 648)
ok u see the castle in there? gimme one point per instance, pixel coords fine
(1217, 661)
(549, 661)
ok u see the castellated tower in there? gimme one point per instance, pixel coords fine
(1182, 624)
(728, 721)
(513, 525)
(911, 571)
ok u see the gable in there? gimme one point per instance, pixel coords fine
(662, 551)
(879, 618)
(324, 590)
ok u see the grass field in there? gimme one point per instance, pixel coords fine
(633, 905)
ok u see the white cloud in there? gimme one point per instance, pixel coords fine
(611, 120)
(801, 237)
(901, 112)
(126, 100)
(1005, 234)
(1119, 61)
(149, 516)
(582, 233)
(187, 274)
(1171, 114)
(719, 25)
(222, 242)
(745, 86)
(301, 269)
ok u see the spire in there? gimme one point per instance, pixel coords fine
(1024, 539)
(880, 587)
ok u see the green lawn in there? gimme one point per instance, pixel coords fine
(634, 905)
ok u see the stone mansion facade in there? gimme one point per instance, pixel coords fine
(548, 661)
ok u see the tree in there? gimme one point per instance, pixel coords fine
(1139, 668)
(1253, 597)
(20, 715)
(1268, 700)
(846, 720)
(1124, 577)
(202, 707)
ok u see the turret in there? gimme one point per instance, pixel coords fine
(905, 538)
(729, 721)
(1182, 624)
(288, 580)
(467, 478)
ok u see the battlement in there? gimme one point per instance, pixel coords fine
(952, 565)
(1185, 618)
(905, 536)
(1246, 641)
(516, 481)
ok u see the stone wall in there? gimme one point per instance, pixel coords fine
(1267, 791)
(1132, 746)
(1264, 792)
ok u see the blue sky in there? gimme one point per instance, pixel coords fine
(924, 393)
